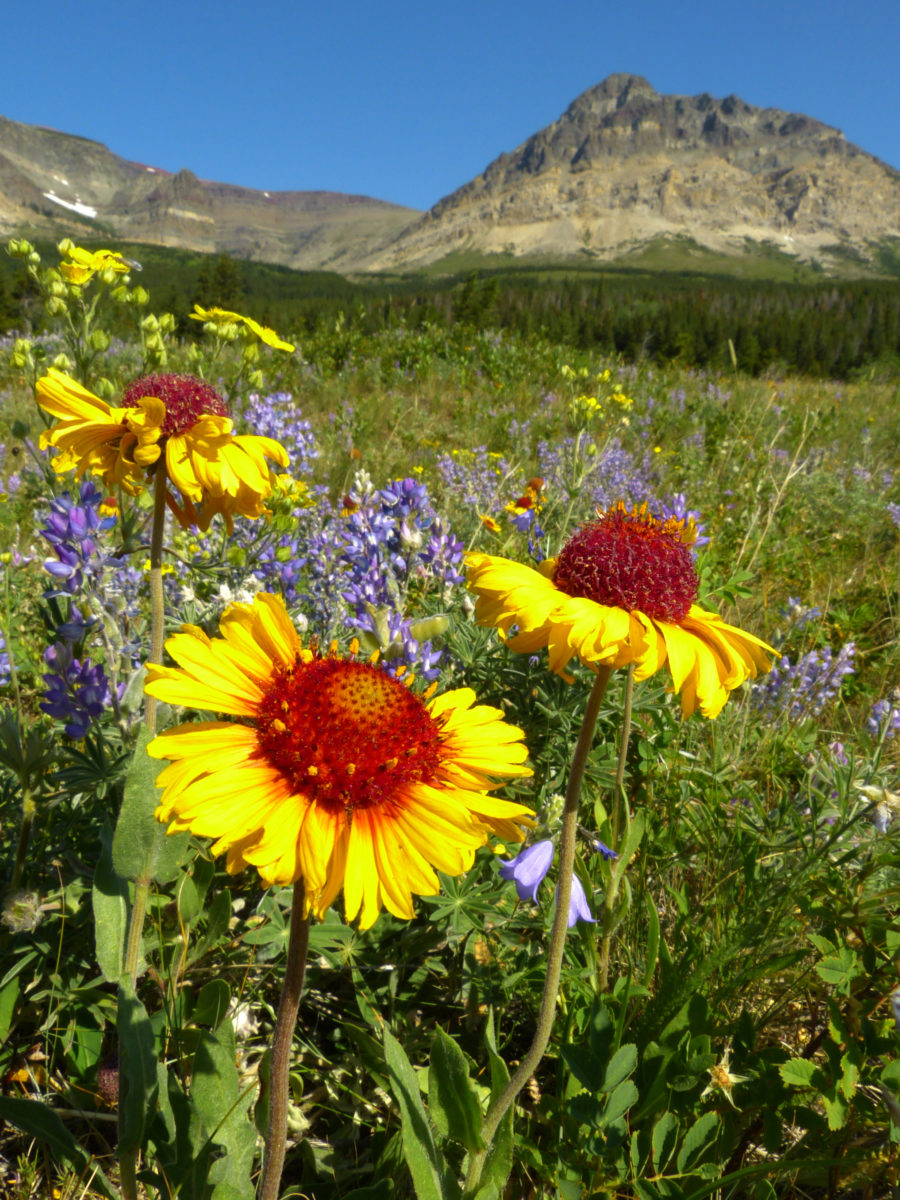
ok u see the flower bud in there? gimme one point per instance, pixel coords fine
(99, 340)
(167, 322)
(255, 379)
(58, 288)
(55, 306)
(140, 296)
(20, 248)
(65, 247)
(62, 362)
(150, 323)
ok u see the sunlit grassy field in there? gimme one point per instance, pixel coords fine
(724, 1023)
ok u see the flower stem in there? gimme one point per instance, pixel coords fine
(157, 596)
(535, 1052)
(282, 1038)
(619, 817)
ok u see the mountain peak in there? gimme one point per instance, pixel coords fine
(625, 165)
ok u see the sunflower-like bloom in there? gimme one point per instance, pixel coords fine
(335, 771)
(175, 420)
(621, 591)
(221, 316)
(85, 264)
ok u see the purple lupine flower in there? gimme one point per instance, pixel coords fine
(615, 474)
(70, 529)
(838, 753)
(277, 416)
(474, 477)
(602, 848)
(805, 688)
(894, 513)
(528, 868)
(77, 692)
(884, 718)
(676, 506)
(799, 614)
(5, 667)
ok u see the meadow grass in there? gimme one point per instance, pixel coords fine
(743, 1041)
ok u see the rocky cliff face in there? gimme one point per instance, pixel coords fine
(624, 165)
(55, 184)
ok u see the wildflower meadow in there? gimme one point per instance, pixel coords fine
(438, 762)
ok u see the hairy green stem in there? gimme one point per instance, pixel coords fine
(282, 1038)
(535, 1052)
(28, 810)
(157, 596)
(619, 817)
(128, 1162)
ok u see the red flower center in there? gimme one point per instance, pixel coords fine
(631, 560)
(186, 399)
(346, 734)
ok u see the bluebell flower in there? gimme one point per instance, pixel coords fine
(528, 869)
(602, 848)
(578, 905)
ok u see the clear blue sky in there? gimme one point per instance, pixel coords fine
(406, 100)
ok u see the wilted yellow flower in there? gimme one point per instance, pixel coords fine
(174, 419)
(221, 316)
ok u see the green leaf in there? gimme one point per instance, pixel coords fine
(141, 848)
(624, 1096)
(621, 1065)
(840, 971)
(425, 1164)
(849, 1075)
(653, 940)
(836, 1109)
(499, 1159)
(664, 1134)
(9, 993)
(629, 847)
(109, 901)
(42, 1123)
(698, 1140)
(797, 1072)
(584, 1065)
(452, 1101)
(217, 917)
(137, 1070)
(212, 1003)
(223, 1110)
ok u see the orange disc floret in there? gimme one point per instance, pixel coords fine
(334, 771)
(372, 737)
